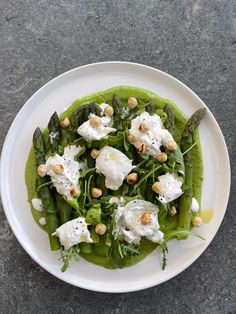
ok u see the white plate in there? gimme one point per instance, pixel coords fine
(57, 95)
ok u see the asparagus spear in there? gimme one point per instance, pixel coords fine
(64, 209)
(76, 119)
(65, 136)
(39, 147)
(116, 103)
(45, 193)
(150, 107)
(50, 208)
(54, 133)
(170, 121)
(186, 142)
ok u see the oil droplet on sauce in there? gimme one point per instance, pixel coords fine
(206, 214)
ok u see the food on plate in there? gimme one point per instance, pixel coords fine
(115, 176)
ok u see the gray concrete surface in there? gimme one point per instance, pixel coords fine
(194, 41)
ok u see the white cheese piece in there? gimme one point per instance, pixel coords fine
(154, 137)
(194, 205)
(42, 221)
(89, 133)
(73, 232)
(37, 204)
(114, 165)
(128, 222)
(68, 179)
(170, 187)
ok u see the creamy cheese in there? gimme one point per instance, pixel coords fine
(114, 165)
(194, 205)
(154, 137)
(170, 187)
(37, 204)
(73, 232)
(68, 179)
(128, 222)
(90, 133)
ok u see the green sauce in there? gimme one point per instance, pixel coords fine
(98, 256)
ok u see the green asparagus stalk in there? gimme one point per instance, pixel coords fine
(45, 193)
(65, 137)
(170, 121)
(76, 119)
(192, 124)
(117, 105)
(50, 208)
(64, 209)
(150, 107)
(39, 147)
(54, 133)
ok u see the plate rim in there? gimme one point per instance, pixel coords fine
(4, 155)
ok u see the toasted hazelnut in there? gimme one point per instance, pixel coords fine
(96, 192)
(58, 168)
(132, 102)
(197, 221)
(131, 138)
(162, 157)
(95, 121)
(171, 145)
(143, 127)
(100, 229)
(156, 187)
(173, 211)
(145, 218)
(132, 178)
(65, 122)
(94, 153)
(109, 111)
(141, 149)
(42, 170)
(75, 191)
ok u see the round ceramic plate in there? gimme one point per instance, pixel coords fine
(59, 94)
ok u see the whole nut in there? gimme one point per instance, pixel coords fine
(171, 145)
(132, 178)
(94, 153)
(162, 157)
(65, 122)
(75, 191)
(109, 111)
(156, 187)
(173, 211)
(197, 221)
(58, 168)
(95, 121)
(141, 149)
(96, 192)
(131, 138)
(145, 218)
(100, 229)
(144, 127)
(42, 170)
(132, 102)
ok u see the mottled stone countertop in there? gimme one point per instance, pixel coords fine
(193, 40)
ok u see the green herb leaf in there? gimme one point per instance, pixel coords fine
(67, 256)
